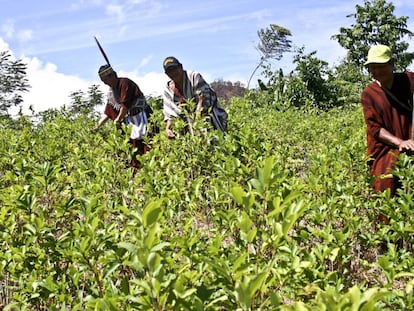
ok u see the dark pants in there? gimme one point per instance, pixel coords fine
(142, 148)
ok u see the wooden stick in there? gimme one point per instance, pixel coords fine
(102, 51)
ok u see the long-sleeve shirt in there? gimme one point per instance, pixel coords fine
(194, 86)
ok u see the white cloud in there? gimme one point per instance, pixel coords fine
(25, 35)
(133, 2)
(3, 45)
(8, 28)
(49, 88)
(81, 4)
(116, 10)
(145, 61)
(151, 84)
(9, 31)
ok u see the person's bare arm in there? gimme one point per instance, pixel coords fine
(392, 140)
(168, 129)
(101, 121)
(121, 115)
(200, 103)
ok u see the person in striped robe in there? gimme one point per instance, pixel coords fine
(189, 85)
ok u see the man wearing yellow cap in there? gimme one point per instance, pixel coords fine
(387, 104)
(189, 85)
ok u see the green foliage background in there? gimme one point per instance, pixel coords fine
(275, 215)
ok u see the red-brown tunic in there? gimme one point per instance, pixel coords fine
(381, 111)
(126, 93)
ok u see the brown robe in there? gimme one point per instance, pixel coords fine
(126, 92)
(381, 111)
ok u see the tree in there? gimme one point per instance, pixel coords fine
(318, 78)
(311, 85)
(85, 103)
(349, 81)
(273, 43)
(375, 24)
(13, 82)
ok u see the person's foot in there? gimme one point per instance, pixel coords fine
(383, 219)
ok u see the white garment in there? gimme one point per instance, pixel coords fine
(193, 86)
(139, 123)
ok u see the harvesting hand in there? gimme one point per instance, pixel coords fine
(406, 145)
(170, 133)
(168, 129)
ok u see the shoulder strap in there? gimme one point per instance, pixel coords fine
(410, 77)
(405, 106)
(412, 96)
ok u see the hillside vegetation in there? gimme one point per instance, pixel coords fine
(275, 215)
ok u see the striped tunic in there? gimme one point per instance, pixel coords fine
(381, 111)
(194, 86)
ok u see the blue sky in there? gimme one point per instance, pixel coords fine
(215, 37)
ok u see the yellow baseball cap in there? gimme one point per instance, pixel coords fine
(379, 54)
(170, 61)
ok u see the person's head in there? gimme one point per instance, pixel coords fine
(107, 75)
(380, 62)
(173, 68)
